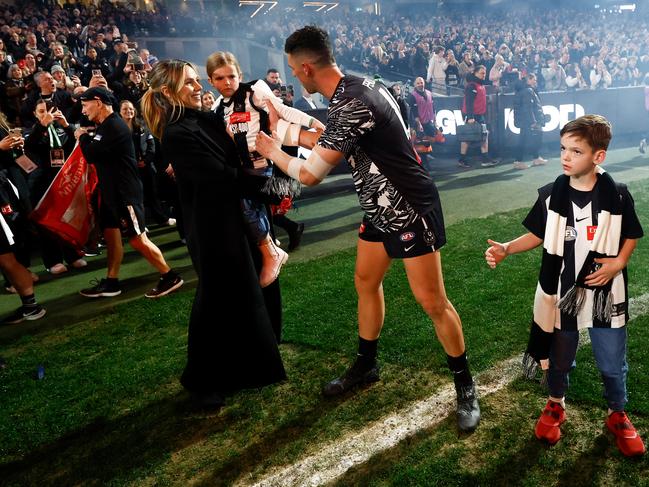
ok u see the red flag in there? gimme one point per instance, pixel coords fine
(65, 208)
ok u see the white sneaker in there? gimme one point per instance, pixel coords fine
(520, 165)
(57, 269)
(539, 161)
(79, 263)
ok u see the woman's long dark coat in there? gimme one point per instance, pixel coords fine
(234, 326)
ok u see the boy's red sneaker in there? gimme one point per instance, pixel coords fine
(628, 439)
(547, 427)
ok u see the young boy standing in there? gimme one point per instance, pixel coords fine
(589, 229)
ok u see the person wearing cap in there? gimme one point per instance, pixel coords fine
(121, 211)
(63, 82)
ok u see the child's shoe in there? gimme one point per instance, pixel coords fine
(547, 427)
(628, 439)
(273, 258)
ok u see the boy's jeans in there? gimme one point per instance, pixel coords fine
(609, 348)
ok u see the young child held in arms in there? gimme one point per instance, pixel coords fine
(244, 107)
(589, 229)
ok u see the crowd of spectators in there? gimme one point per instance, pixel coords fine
(566, 50)
(582, 49)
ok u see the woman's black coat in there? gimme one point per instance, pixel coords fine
(234, 326)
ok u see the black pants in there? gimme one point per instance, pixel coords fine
(54, 251)
(529, 143)
(286, 223)
(151, 199)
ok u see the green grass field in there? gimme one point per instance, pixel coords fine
(110, 410)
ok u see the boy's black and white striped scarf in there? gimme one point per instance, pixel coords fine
(607, 202)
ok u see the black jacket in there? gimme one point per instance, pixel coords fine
(111, 150)
(231, 346)
(528, 110)
(37, 147)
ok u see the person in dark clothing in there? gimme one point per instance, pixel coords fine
(230, 347)
(396, 92)
(474, 108)
(49, 143)
(121, 211)
(144, 155)
(47, 91)
(12, 221)
(168, 189)
(529, 118)
(403, 215)
(93, 64)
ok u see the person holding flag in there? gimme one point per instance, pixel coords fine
(49, 144)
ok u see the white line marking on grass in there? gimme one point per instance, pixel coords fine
(334, 459)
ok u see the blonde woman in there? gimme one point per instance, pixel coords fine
(230, 347)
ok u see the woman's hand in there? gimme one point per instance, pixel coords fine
(59, 117)
(48, 117)
(11, 142)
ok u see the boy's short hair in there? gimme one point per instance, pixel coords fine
(594, 129)
(311, 40)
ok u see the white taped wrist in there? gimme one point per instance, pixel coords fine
(282, 128)
(294, 166)
(317, 166)
(292, 137)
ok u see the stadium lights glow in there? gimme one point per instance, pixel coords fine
(260, 4)
(629, 6)
(321, 5)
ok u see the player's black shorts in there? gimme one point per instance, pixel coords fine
(129, 219)
(424, 236)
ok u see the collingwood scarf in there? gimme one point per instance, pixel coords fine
(606, 240)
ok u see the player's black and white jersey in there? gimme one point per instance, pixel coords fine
(580, 229)
(364, 123)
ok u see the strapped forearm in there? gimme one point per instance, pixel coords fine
(309, 171)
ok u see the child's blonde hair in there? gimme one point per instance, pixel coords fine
(219, 59)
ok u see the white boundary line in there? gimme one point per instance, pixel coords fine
(334, 459)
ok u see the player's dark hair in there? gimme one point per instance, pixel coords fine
(313, 41)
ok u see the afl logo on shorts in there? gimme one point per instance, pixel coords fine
(361, 229)
(407, 236)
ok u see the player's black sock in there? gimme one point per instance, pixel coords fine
(367, 350)
(460, 368)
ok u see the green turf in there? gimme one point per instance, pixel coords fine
(110, 410)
